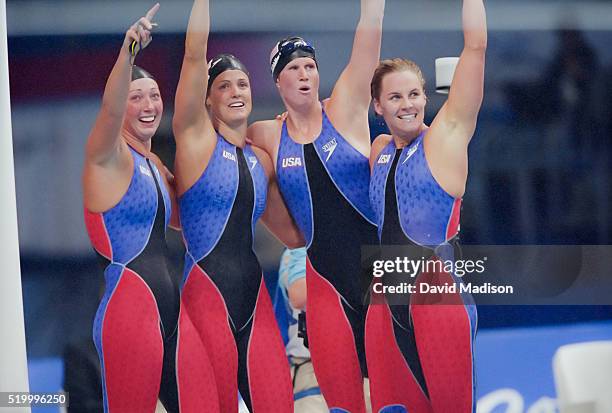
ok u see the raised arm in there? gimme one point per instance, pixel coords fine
(190, 115)
(105, 137)
(466, 92)
(353, 86)
(452, 129)
(350, 98)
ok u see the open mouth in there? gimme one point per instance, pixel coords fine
(236, 105)
(147, 119)
(408, 117)
(304, 89)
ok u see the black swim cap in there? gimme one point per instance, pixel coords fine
(221, 63)
(139, 73)
(288, 49)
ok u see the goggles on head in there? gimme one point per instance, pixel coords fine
(285, 50)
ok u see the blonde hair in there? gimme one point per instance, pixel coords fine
(393, 65)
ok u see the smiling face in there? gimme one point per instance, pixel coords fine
(229, 98)
(298, 82)
(401, 102)
(144, 109)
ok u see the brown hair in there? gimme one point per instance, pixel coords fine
(393, 65)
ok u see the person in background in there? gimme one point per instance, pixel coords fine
(291, 300)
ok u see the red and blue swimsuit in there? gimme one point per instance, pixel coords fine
(145, 342)
(325, 186)
(223, 287)
(420, 357)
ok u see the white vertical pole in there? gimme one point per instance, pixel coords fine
(13, 362)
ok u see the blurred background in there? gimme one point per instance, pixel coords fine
(540, 162)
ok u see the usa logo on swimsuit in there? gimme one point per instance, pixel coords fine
(290, 162)
(411, 152)
(329, 148)
(384, 159)
(229, 155)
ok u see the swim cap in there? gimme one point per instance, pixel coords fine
(139, 73)
(288, 49)
(221, 63)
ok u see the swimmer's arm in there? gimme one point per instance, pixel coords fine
(350, 98)
(262, 134)
(467, 89)
(276, 216)
(170, 183)
(277, 219)
(175, 221)
(190, 116)
(452, 129)
(103, 143)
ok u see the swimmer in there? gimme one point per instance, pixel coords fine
(320, 152)
(146, 344)
(224, 186)
(420, 357)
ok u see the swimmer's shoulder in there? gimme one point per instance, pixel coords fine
(378, 145)
(265, 133)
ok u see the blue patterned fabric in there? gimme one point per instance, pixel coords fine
(293, 183)
(187, 267)
(260, 184)
(378, 184)
(129, 223)
(394, 409)
(347, 168)
(424, 208)
(206, 206)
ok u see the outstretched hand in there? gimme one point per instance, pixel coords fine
(138, 35)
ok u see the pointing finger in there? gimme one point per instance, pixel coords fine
(151, 13)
